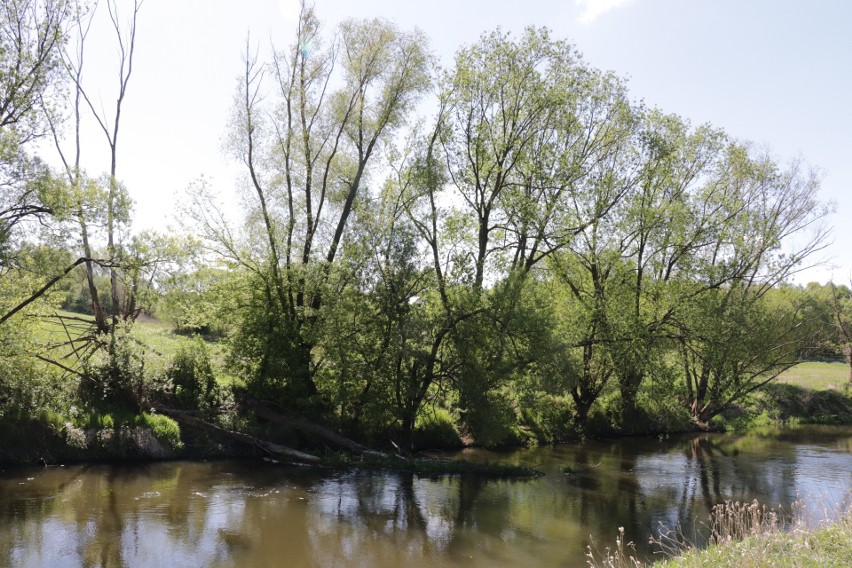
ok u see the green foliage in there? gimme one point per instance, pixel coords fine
(492, 421)
(787, 403)
(99, 420)
(603, 418)
(190, 375)
(28, 385)
(546, 260)
(549, 418)
(164, 428)
(196, 301)
(658, 410)
(435, 429)
(738, 342)
(115, 378)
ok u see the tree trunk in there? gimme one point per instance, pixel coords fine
(305, 426)
(283, 452)
(629, 387)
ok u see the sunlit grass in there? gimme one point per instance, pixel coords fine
(828, 545)
(156, 340)
(815, 375)
(745, 535)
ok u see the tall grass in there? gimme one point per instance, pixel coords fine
(743, 535)
(620, 556)
(734, 521)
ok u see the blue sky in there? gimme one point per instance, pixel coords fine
(775, 72)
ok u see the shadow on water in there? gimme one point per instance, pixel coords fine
(250, 514)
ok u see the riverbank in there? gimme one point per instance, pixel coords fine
(829, 545)
(48, 440)
(810, 393)
(745, 535)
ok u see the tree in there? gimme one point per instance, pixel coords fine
(308, 156)
(736, 341)
(841, 304)
(523, 127)
(32, 35)
(103, 202)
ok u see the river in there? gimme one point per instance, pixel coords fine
(251, 514)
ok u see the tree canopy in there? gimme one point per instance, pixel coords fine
(536, 254)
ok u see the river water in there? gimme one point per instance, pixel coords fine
(251, 514)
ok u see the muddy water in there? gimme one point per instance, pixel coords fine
(251, 514)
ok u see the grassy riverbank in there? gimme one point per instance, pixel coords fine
(813, 392)
(829, 545)
(172, 371)
(745, 535)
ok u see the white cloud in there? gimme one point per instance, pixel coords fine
(594, 8)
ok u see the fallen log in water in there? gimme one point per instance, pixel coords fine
(282, 452)
(262, 410)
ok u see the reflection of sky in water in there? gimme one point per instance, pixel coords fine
(438, 502)
(824, 481)
(198, 515)
(692, 481)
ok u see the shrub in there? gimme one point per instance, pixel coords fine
(603, 417)
(116, 380)
(548, 418)
(493, 422)
(164, 428)
(435, 429)
(190, 375)
(26, 384)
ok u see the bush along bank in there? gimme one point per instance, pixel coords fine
(785, 404)
(48, 438)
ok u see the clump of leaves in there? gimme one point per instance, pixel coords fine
(190, 375)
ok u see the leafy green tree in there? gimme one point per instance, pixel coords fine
(841, 303)
(98, 205)
(308, 157)
(32, 36)
(195, 298)
(738, 340)
(523, 127)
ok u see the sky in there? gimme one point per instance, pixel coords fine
(777, 73)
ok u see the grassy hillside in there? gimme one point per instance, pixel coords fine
(818, 376)
(156, 339)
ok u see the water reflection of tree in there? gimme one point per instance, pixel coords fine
(199, 514)
(93, 515)
(363, 519)
(699, 472)
(22, 493)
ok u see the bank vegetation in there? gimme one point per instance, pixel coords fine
(509, 250)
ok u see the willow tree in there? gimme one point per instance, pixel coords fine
(524, 127)
(701, 218)
(733, 341)
(667, 218)
(308, 149)
(32, 36)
